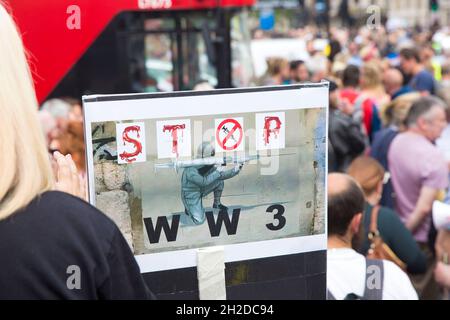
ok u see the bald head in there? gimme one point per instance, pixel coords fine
(338, 182)
(345, 200)
(393, 80)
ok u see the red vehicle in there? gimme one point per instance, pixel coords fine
(80, 47)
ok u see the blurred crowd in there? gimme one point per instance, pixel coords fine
(389, 133)
(62, 122)
(389, 136)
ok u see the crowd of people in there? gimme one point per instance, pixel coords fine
(389, 134)
(389, 160)
(388, 124)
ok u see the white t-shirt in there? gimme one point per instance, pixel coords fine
(346, 273)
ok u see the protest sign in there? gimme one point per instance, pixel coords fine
(241, 168)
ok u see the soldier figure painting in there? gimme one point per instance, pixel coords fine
(199, 181)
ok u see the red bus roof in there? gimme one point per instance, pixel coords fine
(56, 33)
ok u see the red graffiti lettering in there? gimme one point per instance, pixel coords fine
(268, 130)
(131, 156)
(174, 130)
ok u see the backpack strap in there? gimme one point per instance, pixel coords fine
(358, 114)
(377, 292)
(373, 229)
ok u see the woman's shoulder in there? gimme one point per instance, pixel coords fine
(58, 198)
(61, 205)
(55, 216)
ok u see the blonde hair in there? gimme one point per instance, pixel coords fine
(371, 75)
(25, 170)
(396, 111)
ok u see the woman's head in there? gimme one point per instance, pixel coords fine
(370, 76)
(24, 164)
(396, 111)
(278, 67)
(369, 173)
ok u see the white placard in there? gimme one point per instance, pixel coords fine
(269, 213)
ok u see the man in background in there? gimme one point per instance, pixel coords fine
(419, 175)
(349, 274)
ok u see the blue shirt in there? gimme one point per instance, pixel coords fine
(423, 81)
(403, 90)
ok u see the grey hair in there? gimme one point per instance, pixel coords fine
(58, 108)
(422, 108)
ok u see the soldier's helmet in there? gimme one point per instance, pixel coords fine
(206, 150)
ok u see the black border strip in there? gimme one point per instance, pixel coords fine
(138, 96)
(293, 276)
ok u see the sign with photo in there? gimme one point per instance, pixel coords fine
(242, 168)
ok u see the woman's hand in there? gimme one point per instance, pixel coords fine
(67, 178)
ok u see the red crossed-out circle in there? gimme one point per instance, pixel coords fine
(237, 126)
